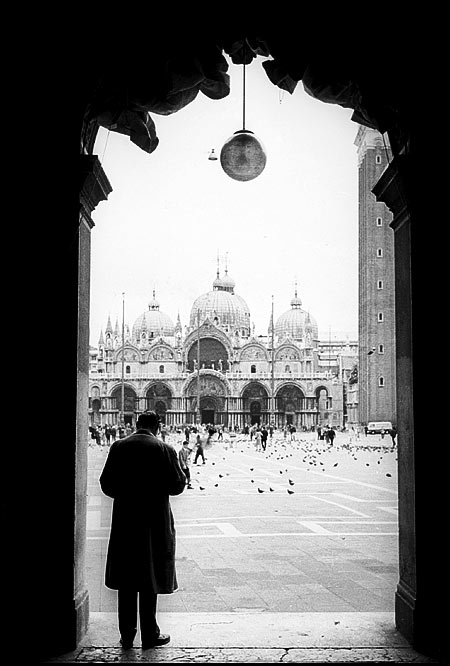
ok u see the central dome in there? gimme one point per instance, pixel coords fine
(222, 307)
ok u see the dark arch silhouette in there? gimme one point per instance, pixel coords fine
(382, 90)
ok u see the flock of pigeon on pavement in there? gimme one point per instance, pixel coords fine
(310, 454)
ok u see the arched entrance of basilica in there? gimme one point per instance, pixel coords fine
(129, 405)
(255, 404)
(382, 94)
(213, 394)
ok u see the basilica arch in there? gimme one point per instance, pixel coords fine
(290, 405)
(129, 404)
(213, 391)
(158, 398)
(323, 404)
(255, 403)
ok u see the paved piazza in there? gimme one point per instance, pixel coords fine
(320, 537)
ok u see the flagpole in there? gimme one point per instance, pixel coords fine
(123, 358)
(198, 367)
(273, 370)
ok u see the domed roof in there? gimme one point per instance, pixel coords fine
(223, 305)
(227, 282)
(294, 323)
(154, 322)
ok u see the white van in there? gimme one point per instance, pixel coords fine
(377, 427)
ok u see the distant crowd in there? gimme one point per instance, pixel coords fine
(106, 434)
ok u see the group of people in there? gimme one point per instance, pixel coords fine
(326, 433)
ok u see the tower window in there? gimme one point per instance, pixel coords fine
(380, 284)
(253, 368)
(381, 381)
(379, 221)
(380, 316)
(378, 159)
(161, 368)
(287, 368)
(381, 349)
(128, 369)
(379, 252)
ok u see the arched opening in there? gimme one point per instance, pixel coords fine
(213, 395)
(255, 404)
(159, 398)
(290, 406)
(129, 404)
(416, 603)
(213, 355)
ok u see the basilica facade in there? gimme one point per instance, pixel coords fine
(216, 370)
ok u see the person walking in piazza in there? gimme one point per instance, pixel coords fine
(199, 453)
(258, 439)
(393, 434)
(184, 455)
(331, 434)
(264, 435)
(140, 473)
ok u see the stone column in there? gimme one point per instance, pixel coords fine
(420, 594)
(95, 187)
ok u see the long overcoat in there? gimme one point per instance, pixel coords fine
(139, 474)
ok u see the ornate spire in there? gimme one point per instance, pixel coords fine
(101, 340)
(154, 304)
(109, 328)
(117, 329)
(296, 301)
(178, 326)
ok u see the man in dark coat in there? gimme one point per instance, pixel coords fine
(139, 474)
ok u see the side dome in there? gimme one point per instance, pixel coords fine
(153, 322)
(296, 322)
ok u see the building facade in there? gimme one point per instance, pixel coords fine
(216, 370)
(376, 289)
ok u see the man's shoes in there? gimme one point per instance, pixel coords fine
(126, 644)
(162, 639)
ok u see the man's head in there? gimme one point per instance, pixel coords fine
(149, 421)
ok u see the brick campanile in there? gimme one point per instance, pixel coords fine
(377, 399)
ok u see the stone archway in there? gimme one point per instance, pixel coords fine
(289, 402)
(382, 91)
(213, 392)
(255, 403)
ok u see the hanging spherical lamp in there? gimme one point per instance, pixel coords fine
(243, 156)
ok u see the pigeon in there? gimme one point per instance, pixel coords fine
(201, 488)
(220, 476)
(335, 464)
(216, 485)
(291, 483)
(260, 491)
(290, 491)
(388, 474)
(271, 490)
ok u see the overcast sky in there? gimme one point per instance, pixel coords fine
(171, 212)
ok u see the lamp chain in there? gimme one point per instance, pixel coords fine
(243, 88)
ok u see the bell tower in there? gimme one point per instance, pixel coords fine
(377, 375)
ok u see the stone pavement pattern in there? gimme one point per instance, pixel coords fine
(302, 534)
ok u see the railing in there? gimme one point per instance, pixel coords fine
(228, 375)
